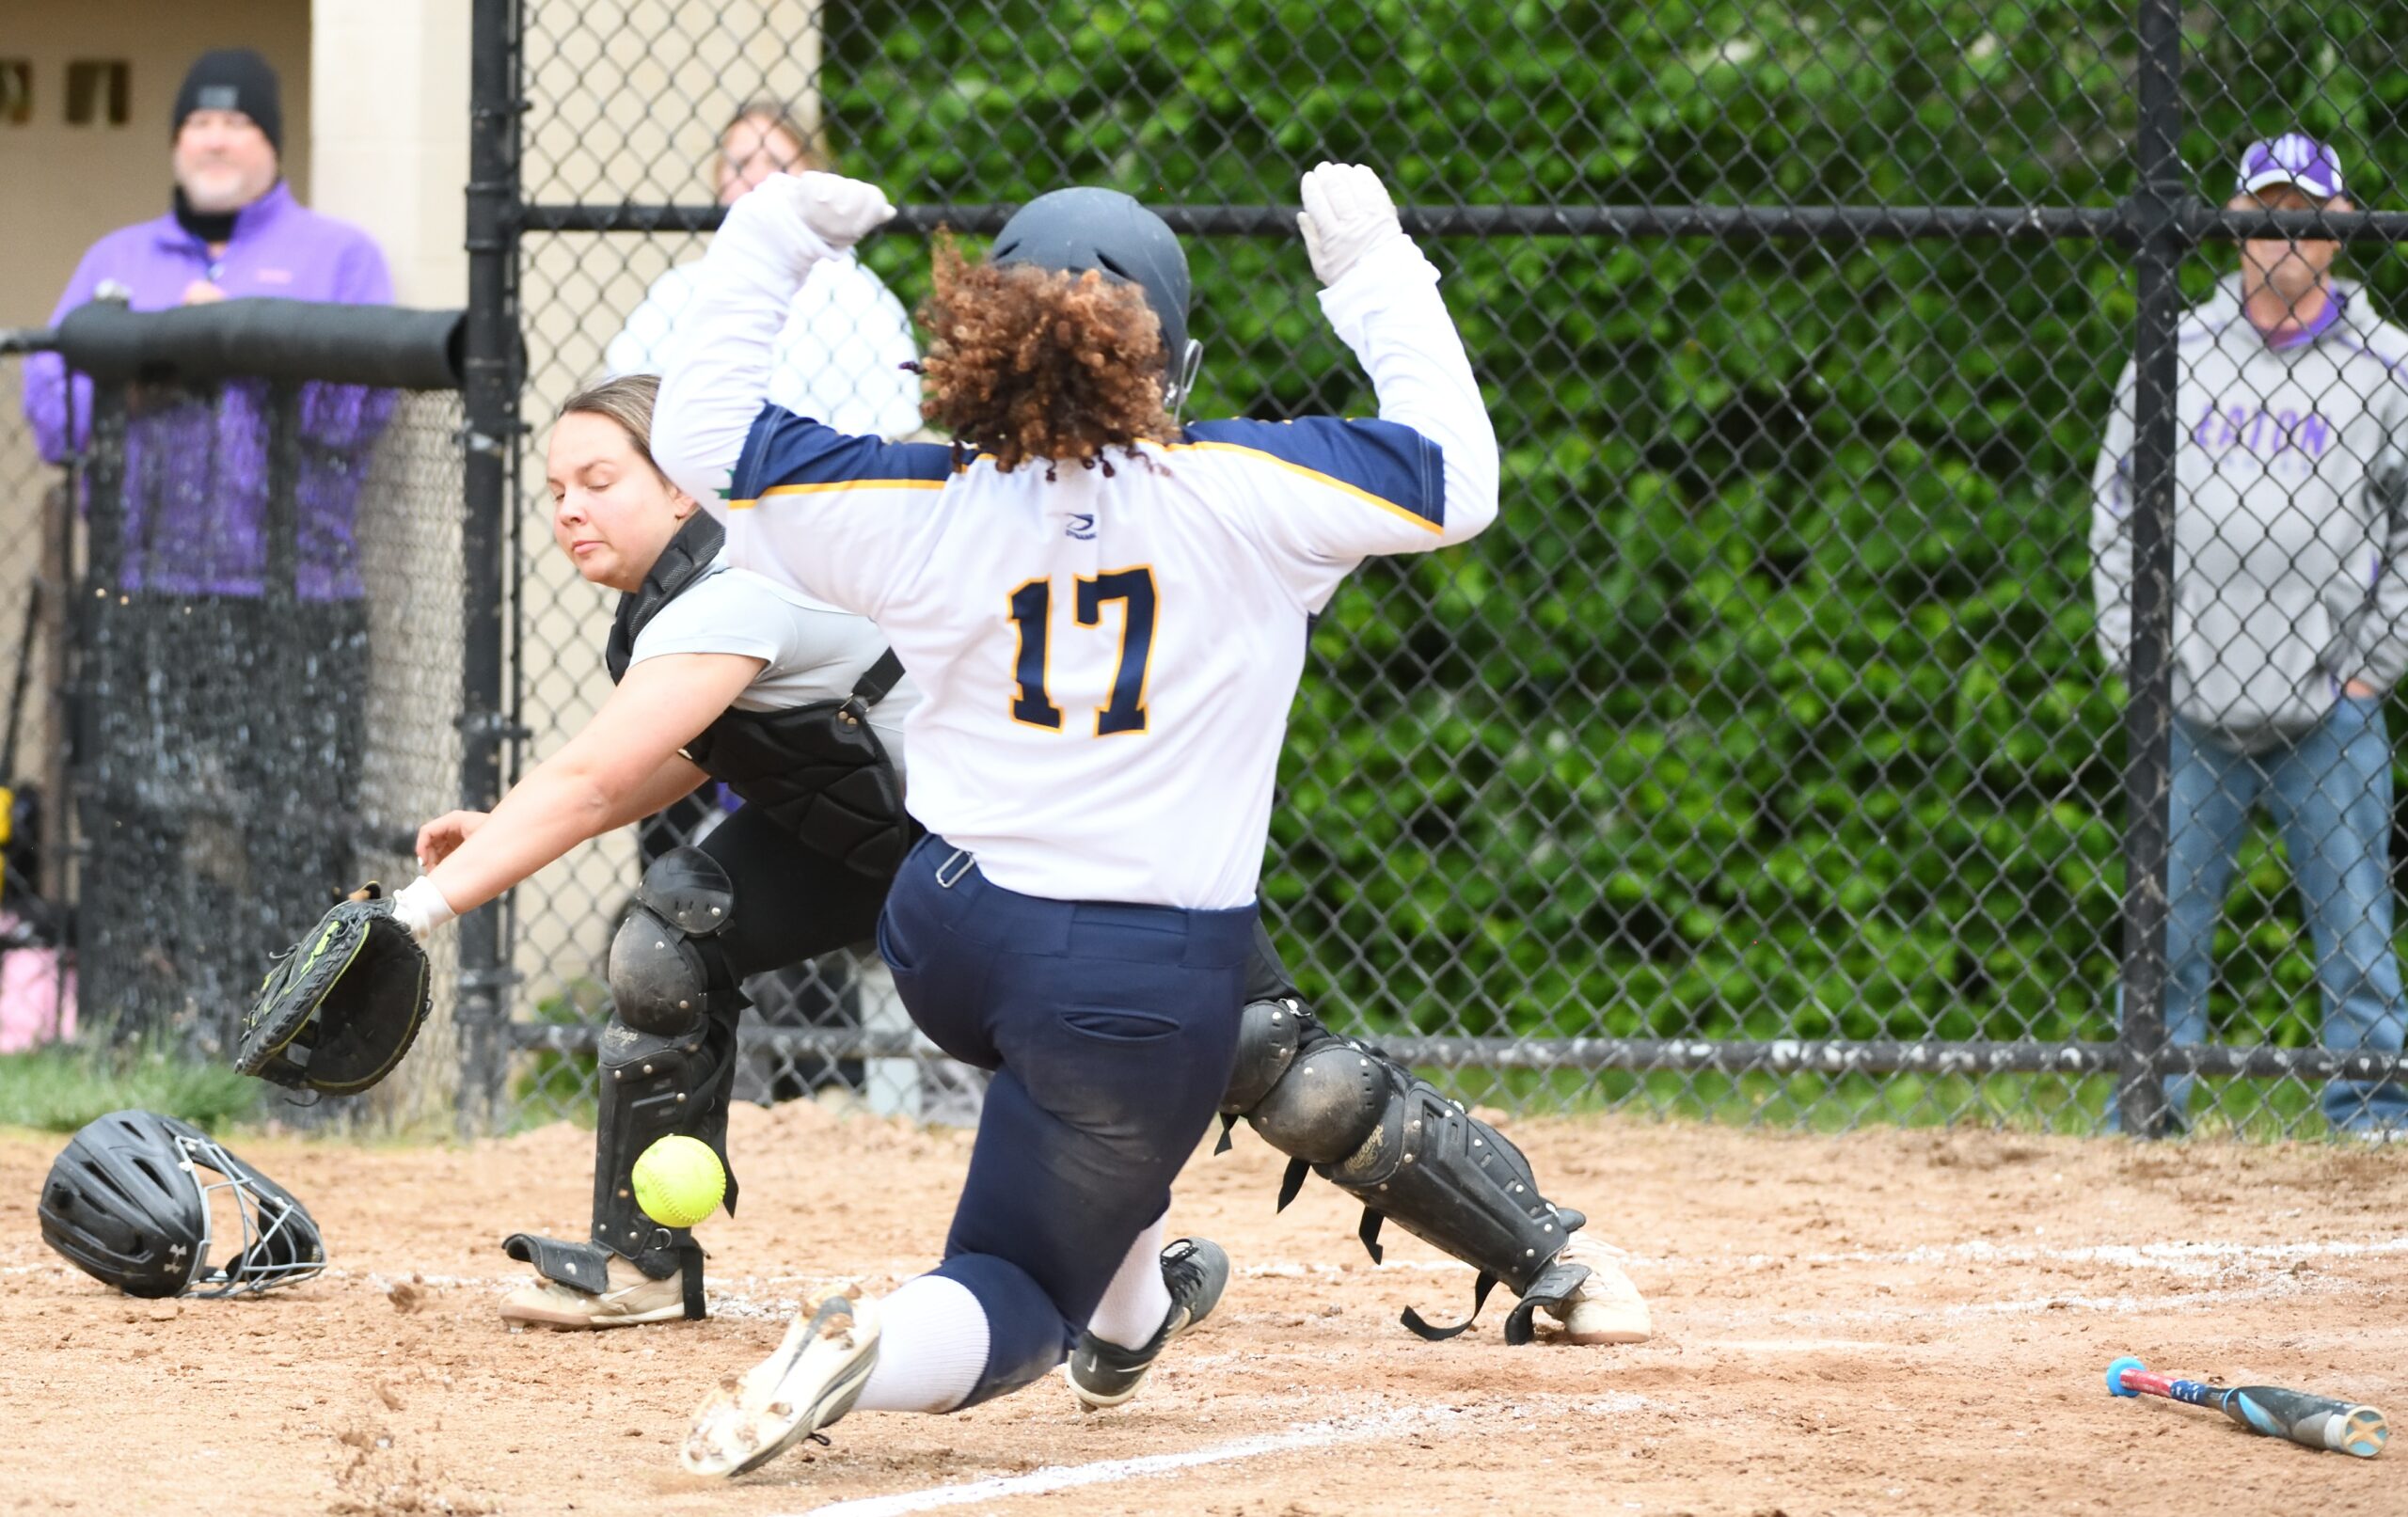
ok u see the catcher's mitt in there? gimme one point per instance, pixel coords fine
(341, 1007)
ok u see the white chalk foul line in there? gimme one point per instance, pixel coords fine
(2201, 1259)
(1107, 1470)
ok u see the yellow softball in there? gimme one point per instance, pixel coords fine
(678, 1181)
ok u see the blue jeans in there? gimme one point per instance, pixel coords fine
(2329, 791)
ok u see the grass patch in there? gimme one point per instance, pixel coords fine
(2251, 1110)
(548, 1087)
(61, 1087)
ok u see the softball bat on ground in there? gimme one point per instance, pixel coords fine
(2313, 1421)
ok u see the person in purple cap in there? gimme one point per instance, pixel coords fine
(2291, 612)
(244, 703)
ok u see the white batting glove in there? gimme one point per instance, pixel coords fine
(793, 219)
(1347, 214)
(842, 211)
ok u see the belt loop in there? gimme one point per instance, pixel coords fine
(959, 856)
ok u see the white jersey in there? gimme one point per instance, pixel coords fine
(808, 651)
(839, 356)
(1105, 662)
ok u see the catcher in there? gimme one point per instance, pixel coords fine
(799, 709)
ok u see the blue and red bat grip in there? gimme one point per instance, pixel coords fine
(2312, 1421)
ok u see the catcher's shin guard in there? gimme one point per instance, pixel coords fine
(652, 1088)
(1364, 1123)
(667, 1067)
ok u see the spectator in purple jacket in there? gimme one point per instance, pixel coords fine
(197, 475)
(226, 712)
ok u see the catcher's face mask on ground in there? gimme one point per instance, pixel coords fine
(141, 1201)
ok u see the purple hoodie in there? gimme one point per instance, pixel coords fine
(196, 473)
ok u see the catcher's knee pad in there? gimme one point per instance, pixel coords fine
(1368, 1125)
(664, 966)
(1268, 1031)
(1312, 1096)
(654, 1087)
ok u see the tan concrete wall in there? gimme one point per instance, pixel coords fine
(390, 138)
(61, 187)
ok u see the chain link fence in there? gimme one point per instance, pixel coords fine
(1765, 759)
(1863, 372)
(37, 963)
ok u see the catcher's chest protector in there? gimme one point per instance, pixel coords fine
(817, 769)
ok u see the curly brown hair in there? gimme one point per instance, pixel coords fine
(1028, 363)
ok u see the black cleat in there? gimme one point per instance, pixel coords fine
(1105, 1374)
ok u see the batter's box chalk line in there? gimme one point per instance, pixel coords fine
(2199, 1258)
(1366, 1427)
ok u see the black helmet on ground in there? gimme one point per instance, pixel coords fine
(127, 1203)
(1086, 227)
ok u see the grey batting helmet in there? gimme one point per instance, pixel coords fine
(1086, 228)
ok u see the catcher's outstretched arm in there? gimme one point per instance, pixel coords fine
(587, 788)
(672, 782)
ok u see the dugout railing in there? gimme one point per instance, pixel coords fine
(245, 521)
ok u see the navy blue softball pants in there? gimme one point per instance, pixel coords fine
(1110, 1029)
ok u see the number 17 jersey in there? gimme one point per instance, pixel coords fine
(1105, 661)
(1106, 657)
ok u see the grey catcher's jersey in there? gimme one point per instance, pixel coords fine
(1105, 663)
(809, 651)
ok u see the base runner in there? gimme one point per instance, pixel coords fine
(1105, 615)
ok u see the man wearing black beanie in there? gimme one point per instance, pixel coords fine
(229, 134)
(253, 682)
(233, 79)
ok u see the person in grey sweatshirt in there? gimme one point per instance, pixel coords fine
(2291, 612)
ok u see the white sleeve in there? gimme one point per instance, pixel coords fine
(899, 408)
(841, 358)
(2110, 528)
(1321, 495)
(638, 347)
(722, 615)
(1387, 309)
(715, 376)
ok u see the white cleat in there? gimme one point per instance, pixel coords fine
(813, 1378)
(1607, 1307)
(550, 1303)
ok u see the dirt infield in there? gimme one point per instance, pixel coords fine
(1886, 1322)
